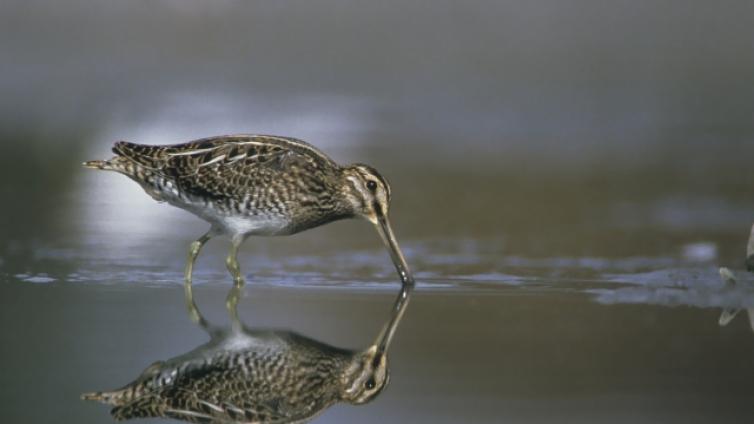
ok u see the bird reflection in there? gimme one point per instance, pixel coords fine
(255, 375)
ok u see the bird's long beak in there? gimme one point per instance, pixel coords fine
(386, 232)
(407, 280)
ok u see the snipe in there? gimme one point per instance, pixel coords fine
(257, 185)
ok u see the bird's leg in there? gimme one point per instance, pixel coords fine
(232, 262)
(194, 250)
(231, 302)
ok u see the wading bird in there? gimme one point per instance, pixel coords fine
(257, 185)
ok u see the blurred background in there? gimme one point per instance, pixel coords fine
(536, 150)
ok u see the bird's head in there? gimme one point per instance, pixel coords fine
(366, 376)
(368, 192)
(368, 195)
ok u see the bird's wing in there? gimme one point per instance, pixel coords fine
(220, 166)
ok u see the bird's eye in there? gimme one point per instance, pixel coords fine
(371, 185)
(370, 384)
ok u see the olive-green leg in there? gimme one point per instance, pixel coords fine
(232, 262)
(235, 271)
(194, 250)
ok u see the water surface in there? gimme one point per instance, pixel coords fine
(553, 339)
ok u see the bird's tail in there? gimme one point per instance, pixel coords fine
(116, 163)
(111, 398)
(126, 405)
(99, 164)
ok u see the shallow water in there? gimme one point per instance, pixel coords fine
(487, 337)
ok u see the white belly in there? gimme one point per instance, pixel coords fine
(253, 225)
(236, 225)
(233, 225)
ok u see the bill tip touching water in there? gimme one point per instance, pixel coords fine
(264, 185)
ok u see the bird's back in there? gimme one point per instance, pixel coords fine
(228, 149)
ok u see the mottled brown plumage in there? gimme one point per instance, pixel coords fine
(264, 178)
(256, 185)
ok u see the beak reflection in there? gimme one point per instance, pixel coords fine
(407, 280)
